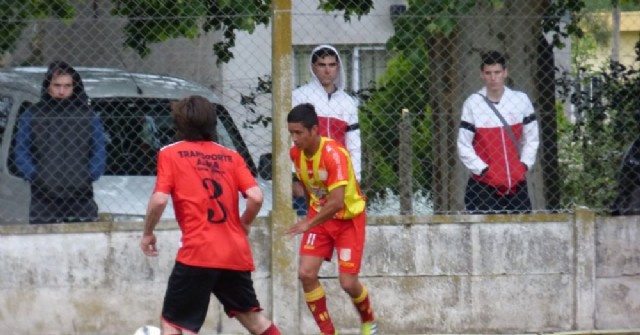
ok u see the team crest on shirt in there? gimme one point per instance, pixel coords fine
(323, 174)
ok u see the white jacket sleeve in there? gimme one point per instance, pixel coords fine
(354, 146)
(530, 137)
(466, 133)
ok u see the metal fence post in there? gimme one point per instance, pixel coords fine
(284, 280)
(405, 164)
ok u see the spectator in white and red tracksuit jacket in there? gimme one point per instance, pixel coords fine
(498, 166)
(337, 111)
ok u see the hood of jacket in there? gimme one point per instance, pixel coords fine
(340, 79)
(77, 98)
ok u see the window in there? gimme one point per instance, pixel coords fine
(370, 65)
(136, 129)
(363, 65)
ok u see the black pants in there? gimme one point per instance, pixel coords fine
(481, 198)
(50, 208)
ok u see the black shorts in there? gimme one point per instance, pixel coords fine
(189, 290)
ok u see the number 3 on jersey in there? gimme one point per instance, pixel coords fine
(216, 212)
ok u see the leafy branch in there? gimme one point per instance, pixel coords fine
(249, 102)
(15, 14)
(153, 21)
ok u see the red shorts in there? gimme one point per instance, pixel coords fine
(346, 236)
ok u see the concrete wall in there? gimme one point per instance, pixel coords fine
(438, 274)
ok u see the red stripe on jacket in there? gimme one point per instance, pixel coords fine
(495, 147)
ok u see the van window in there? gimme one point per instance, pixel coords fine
(6, 102)
(136, 128)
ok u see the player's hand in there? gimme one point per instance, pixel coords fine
(148, 245)
(299, 228)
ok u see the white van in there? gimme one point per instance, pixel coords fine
(135, 112)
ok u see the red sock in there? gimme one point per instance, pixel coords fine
(363, 305)
(317, 302)
(272, 330)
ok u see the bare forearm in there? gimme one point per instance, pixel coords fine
(156, 207)
(151, 220)
(254, 203)
(250, 213)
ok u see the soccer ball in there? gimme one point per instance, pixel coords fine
(148, 330)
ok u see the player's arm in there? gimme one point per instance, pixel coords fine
(254, 203)
(155, 208)
(334, 203)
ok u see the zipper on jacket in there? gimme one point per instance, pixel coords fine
(506, 161)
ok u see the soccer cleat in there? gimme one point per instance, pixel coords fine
(369, 328)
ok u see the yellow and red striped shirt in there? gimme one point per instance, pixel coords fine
(328, 168)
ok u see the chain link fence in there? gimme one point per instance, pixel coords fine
(413, 67)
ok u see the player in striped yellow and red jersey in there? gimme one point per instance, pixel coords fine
(336, 218)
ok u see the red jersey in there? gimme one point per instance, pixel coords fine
(204, 180)
(330, 167)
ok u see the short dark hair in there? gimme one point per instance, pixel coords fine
(305, 114)
(323, 52)
(195, 118)
(492, 58)
(58, 68)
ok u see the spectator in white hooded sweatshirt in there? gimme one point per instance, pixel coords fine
(337, 111)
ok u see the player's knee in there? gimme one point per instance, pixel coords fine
(350, 284)
(307, 276)
(254, 322)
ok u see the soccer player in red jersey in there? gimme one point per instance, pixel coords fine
(336, 218)
(204, 179)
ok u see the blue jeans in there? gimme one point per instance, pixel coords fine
(300, 205)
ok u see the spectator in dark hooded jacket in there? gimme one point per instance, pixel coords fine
(60, 150)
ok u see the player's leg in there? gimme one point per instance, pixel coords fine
(187, 300)
(234, 289)
(350, 245)
(258, 324)
(316, 246)
(359, 294)
(169, 329)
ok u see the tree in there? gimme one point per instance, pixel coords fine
(403, 86)
(153, 21)
(607, 121)
(16, 14)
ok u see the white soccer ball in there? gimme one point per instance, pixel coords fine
(148, 330)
